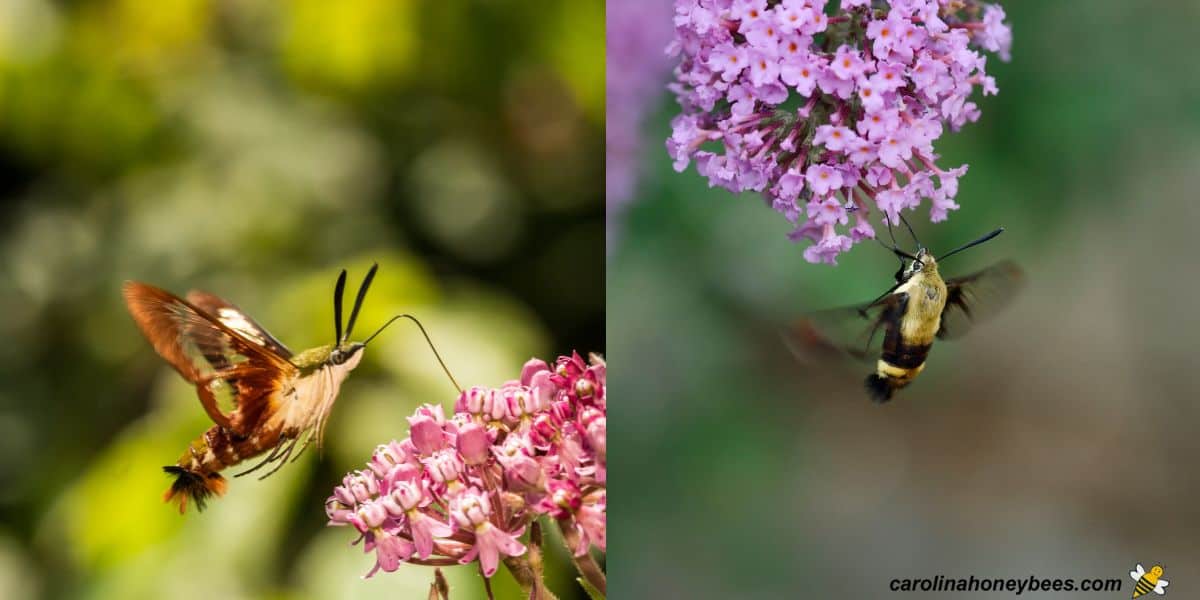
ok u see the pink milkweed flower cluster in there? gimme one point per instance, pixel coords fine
(465, 487)
(829, 110)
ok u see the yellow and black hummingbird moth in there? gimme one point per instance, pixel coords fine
(897, 329)
(278, 397)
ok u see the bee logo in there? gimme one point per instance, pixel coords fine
(1148, 580)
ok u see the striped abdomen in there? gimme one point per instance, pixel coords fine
(912, 323)
(197, 472)
(896, 369)
(1143, 586)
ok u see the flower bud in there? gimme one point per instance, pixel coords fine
(426, 434)
(444, 466)
(362, 486)
(497, 410)
(474, 400)
(532, 367)
(386, 457)
(369, 516)
(595, 428)
(544, 391)
(473, 444)
(337, 511)
(409, 495)
(523, 473)
(584, 388)
(470, 508)
(544, 430)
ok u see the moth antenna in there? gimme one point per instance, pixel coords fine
(977, 242)
(358, 300)
(338, 291)
(427, 340)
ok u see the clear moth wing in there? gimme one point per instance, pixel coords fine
(858, 331)
(237, 320)
(977, 296)
(209, 354)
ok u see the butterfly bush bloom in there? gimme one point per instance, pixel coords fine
(465, 487)
(830, 109)
(637, 69)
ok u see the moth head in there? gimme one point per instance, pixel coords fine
(347, 352)
(925, 262)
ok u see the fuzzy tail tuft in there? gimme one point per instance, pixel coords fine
(190, 484)
(879, 388)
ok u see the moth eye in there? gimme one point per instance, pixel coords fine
(337, 357)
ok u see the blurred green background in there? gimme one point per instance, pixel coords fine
(1058, 439)
(252, 149)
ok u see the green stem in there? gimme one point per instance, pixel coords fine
(527, 569)
(585, 564)
(529, 578)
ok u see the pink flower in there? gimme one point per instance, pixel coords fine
(835, 139)
(884, 33)
(764, 35)
(822, 179)
(520, 469)
(847, 63)
(390, 551)
(891, 202)
(894, 150)
(942, 203)
(827, 249)
(591, 518)
(996, 36)
(471, 510)
(536, 443)
(827, 212)
(424, 529)
(476, 401)
(900, 84)
(473, 443)
(862, 229)
(801, 73)
(427, 433)
(764, 69)
(729, 61)
(444, 466)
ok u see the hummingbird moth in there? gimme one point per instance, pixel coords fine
(278, 397)
(920, 307)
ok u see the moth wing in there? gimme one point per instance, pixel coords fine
(233, 318)
(210, 355)
(977, 296)
(1160, 587)
(1137, 573)
(857, 331)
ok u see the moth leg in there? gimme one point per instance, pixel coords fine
(307, 442)
(270, 457)
(283, 459)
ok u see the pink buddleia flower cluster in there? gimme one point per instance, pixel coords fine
(829, 111)
(635, 33)
(465, 487)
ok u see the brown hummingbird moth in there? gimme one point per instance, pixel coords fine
(279, 398)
